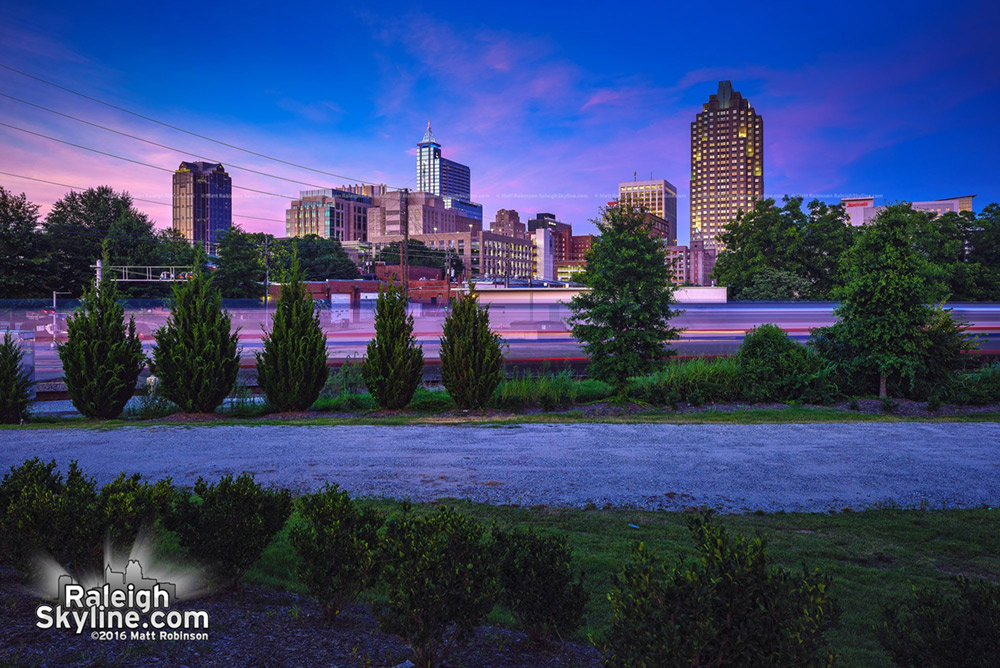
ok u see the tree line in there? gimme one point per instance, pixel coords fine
(779, 252)
(56, 253)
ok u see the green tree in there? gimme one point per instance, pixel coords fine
(624, 319)
(984, 253)
(241, 272)
(785, 239)
(74, 231)
(21, 255)
(102, 357)
(770, 284)
(196, 356)
(292, 369)
(173, 249)
(471, 352)
(15, 381)
(394, 364)
(321, 259)
(132, 241)
(886, 301)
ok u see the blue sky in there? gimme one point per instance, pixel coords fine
(550, 104)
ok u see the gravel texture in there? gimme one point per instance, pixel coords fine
(733, 468)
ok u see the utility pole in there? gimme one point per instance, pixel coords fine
(404, 252)
(267, 276)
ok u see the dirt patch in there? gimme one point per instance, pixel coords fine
(260, 627)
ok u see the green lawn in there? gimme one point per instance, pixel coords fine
(873, 556)
(749, 415)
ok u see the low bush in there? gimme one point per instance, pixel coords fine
(347, 379)
(346, 402)
(44, 512)
(775, 367)
(730, 607)
(227, 525)
(695, 381)
(549, 391)
(431, 401)
(69, 518)
(242, 403)
(15, 381)
(149, 405)
(939, 629)
(981, 386)
(336, 542)
(439, 582)
(128, 506)
(536, 583)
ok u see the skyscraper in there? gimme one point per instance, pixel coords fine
(727, 163)
(203, 202)
(508, 223)
(445, 178)
(332, 214)
(657, 196)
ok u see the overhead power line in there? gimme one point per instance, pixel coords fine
(137, 199)
(137, 162)
(413, 252)
(189, 132)
(153, 143)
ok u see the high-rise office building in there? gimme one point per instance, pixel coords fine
(727, 163)
(203, 203)
(445, 178)
(658, 197)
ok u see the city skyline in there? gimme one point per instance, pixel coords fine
(531, 111)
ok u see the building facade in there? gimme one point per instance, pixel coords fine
(658, 197)
(861, 210)
(425, 214)
(727, 163)
(445, 178)
(508, 223)
(543, 255)
(202, 203)
(329, 213)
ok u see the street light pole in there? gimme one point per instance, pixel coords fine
(54, 321)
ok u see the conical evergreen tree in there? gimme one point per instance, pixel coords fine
(15, 381)
(292, 369)
(394, 364)
(102, 357)
(196, 356)
(471, 353)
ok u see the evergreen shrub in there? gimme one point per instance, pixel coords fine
(471, 353)
(15, 382)
(394, 364)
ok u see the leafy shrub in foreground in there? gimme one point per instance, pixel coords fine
(102, 357)
(292, 368)
(546, 390)
(196, 355)
(394, 363)
(439, 582)
(938, 630)
(15, 381)
(69, 518)
(981, 386)
(127, 505)
(536, 583)
(227, 525)
(347, 379)
(728, 608)
(336, 542)
(471, 353)
(43, 512)
(774, 367)
(695, 381)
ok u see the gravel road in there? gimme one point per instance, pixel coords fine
(734, 468)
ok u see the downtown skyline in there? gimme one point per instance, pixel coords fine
(547, 119)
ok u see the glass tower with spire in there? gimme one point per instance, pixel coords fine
(445, 178)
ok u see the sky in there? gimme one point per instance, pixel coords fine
(550, 104)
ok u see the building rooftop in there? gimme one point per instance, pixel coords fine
(428, 136)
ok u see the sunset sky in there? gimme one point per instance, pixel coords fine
(551, 105)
